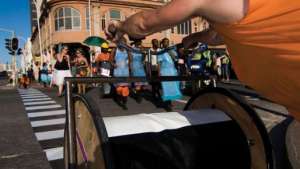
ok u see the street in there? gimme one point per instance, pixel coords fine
(33, 119)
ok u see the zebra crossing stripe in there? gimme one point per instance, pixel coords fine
(54, 153)
(39, 103)
(37, 99)
(46, 113)
(43, 107)
(30, 93)
(41, 123)
(34, 97)
(49, 135)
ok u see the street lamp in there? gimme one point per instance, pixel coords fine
(38, 25)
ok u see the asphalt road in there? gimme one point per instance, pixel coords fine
(36, 126)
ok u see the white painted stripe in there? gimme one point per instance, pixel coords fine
(43, 107)
(54, 153)
(31, 95)
(23, 93)
(34, 97)
(47, 113)
(181, 101)
(39, 103)
(41, 123)
(49, 135)
(37, 99)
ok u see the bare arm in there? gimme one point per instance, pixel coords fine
(208, 36)
(147, 22)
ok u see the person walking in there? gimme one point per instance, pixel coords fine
(138, 69)
(104, 66)
(82, 69)
(62, 67)
(170, 90)
(122, 62)
(44, 75)
(225, 67)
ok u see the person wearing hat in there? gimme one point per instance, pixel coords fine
(104, 64)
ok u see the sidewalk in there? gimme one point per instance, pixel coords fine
(18, 146)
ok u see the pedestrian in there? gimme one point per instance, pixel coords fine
(62, 67)
(36, 71)
(225, 67)
(82, 69)
(218, 65)
(262, 37)
(24, 81)
(152, 68)
(30, 74)
(170, 90)
(44, 75)
(138, 69)
(121, 69)
(104, 62)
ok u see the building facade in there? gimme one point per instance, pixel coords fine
(68, 22)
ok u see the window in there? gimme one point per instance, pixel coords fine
(115, 15)
(185, 28)
(103, 22)
(67, 19)
(87, 18)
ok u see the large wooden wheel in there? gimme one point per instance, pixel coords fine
(93, 151)
(239, 111)
(90, 136)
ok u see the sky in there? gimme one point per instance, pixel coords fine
(14, 15)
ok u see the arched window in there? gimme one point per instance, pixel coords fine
(67, 18)
(115, 15)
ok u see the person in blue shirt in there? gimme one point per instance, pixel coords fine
(170, 90)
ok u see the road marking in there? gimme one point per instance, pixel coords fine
(43, 107)
(38, 103)
(47, 113)
(21, 93)
(41, 123)
(54, 153)
(40, 99)
(34, 97)
(49, 135)
(181, 101)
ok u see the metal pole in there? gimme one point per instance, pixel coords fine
(72, 154)
(40, 40)
(90, 18)
(90, 31)
(14, 65)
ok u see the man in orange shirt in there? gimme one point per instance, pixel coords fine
(264, 33)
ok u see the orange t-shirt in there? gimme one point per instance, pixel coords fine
(265, 50)
(103, 57)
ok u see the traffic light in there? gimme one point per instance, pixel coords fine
(8, 44)
(12, 52)
(14, 43)
(19, 51)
